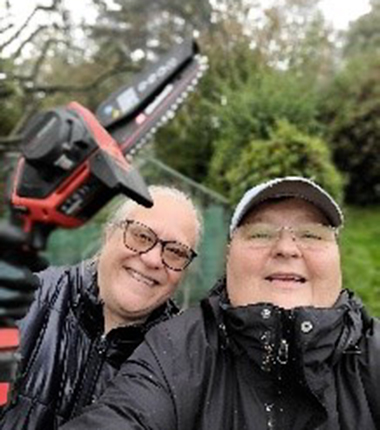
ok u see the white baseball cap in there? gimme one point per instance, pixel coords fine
(289, 186)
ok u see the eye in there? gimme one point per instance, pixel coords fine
(313, 232)
(176, 252)
(259, 232)
(310, 235)
(260, 235)
(142, 235)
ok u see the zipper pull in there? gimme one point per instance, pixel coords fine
(283, 352)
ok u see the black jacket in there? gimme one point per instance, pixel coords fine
(66, 360)
(257, 367)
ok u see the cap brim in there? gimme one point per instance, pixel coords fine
(289, 187)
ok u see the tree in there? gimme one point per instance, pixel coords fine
(351, 112)
(262, 68)
(135, 29)
(251, 112)
(21, 73)
(188, 142)
(48, 65)
(363, 35)
(43, 65)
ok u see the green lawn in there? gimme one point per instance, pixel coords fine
(360, 244)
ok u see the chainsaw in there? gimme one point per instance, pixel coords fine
(73, 162)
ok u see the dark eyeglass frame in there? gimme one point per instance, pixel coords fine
(126, 223)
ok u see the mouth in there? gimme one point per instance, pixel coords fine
(286, 278)
(140, 277)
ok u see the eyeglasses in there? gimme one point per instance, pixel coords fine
(308, 236)
(140, 238)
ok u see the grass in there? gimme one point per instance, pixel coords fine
(360, 242)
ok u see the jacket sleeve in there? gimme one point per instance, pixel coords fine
(370, 370)
(140, 397)
(24, 411)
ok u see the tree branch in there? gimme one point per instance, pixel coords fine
(28, 40)
(9, 140)
(19, 31)
(53, 7)
(6, 28)
(51, 89)
(41, 58)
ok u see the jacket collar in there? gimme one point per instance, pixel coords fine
(289, 351)
(313, 335)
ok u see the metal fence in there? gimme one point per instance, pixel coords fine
(71, 246)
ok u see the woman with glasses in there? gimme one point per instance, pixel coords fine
(278, 345)
(87, 319)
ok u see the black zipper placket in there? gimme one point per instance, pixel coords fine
(92, 371)
(281, 362)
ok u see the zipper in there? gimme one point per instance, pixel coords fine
(92, 370)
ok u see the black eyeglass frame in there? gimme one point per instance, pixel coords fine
(126, 223)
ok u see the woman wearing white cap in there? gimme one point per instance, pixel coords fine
(279, 344)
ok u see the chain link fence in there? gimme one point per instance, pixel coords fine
(71, 246)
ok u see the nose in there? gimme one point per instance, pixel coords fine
(286, 245)
(153, 258)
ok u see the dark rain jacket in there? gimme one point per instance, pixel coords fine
(66, 360)
(257, 367)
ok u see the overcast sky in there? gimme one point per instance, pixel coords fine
(339, 12)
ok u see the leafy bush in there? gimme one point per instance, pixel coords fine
(288, 151)
(250, 113)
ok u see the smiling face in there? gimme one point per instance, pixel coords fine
(133, 285)
(284, 274)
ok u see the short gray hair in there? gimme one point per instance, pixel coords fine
(127, 206)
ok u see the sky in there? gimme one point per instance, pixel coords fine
(341, 12)
(338, 12)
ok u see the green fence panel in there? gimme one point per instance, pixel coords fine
(72, 246)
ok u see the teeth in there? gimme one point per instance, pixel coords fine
(286, 278)
(141, 278)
